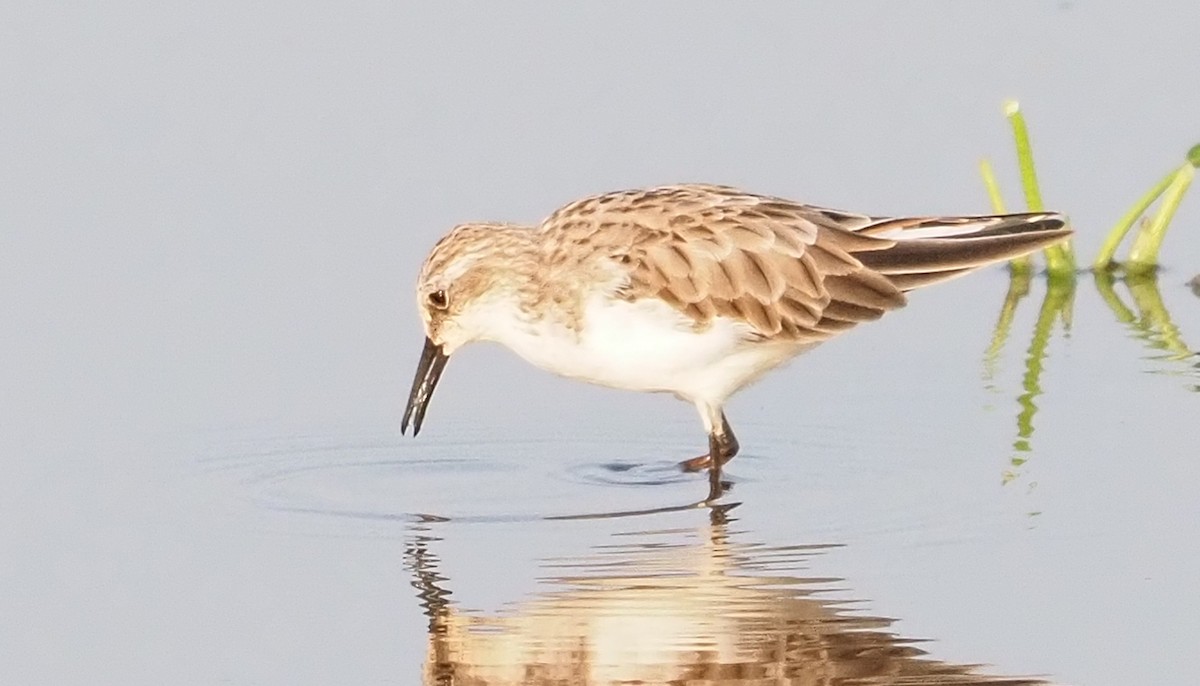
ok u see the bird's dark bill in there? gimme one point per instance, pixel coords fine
(429, 370)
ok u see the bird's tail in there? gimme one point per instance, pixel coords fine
(929, 250)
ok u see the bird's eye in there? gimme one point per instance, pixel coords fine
(438, 300)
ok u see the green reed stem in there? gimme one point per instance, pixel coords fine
(1060, 259)
(1018, 265)
(993, 186)
(1115, 235)
(1144, 253)
(1029, 182)
(1143, 256)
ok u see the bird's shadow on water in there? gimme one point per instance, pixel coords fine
(685, 604)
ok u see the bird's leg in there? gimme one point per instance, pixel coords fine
(722, 446)
(729, 442)
(715, 487)
(726, 447)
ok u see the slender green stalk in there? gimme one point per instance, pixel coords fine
(1144, 253)
(1029, 182)
(1115, 235)
(1143, 256)
(1060, 259)
(1020, 265)
(993, 187)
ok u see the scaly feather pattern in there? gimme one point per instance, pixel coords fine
(789, 270)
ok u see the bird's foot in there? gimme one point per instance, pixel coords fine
(696, 464)
(701, 463)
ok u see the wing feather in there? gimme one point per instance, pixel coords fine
(711, 251)
(786, 269)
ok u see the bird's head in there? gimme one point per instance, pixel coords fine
(468, 275)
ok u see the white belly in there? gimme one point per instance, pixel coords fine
(649, 346)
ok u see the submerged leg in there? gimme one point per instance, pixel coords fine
(722, 446)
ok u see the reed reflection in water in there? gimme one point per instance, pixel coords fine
(1147, 321)
(672, 607)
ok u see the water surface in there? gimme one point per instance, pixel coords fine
(210, 223)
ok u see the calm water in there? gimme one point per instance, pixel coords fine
(210, 221)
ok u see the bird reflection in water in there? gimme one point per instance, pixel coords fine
(672, 607)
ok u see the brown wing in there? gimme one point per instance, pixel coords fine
(713, 251)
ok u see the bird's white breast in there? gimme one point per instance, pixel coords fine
(648, 346)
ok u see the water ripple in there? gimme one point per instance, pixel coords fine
(381, 478)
